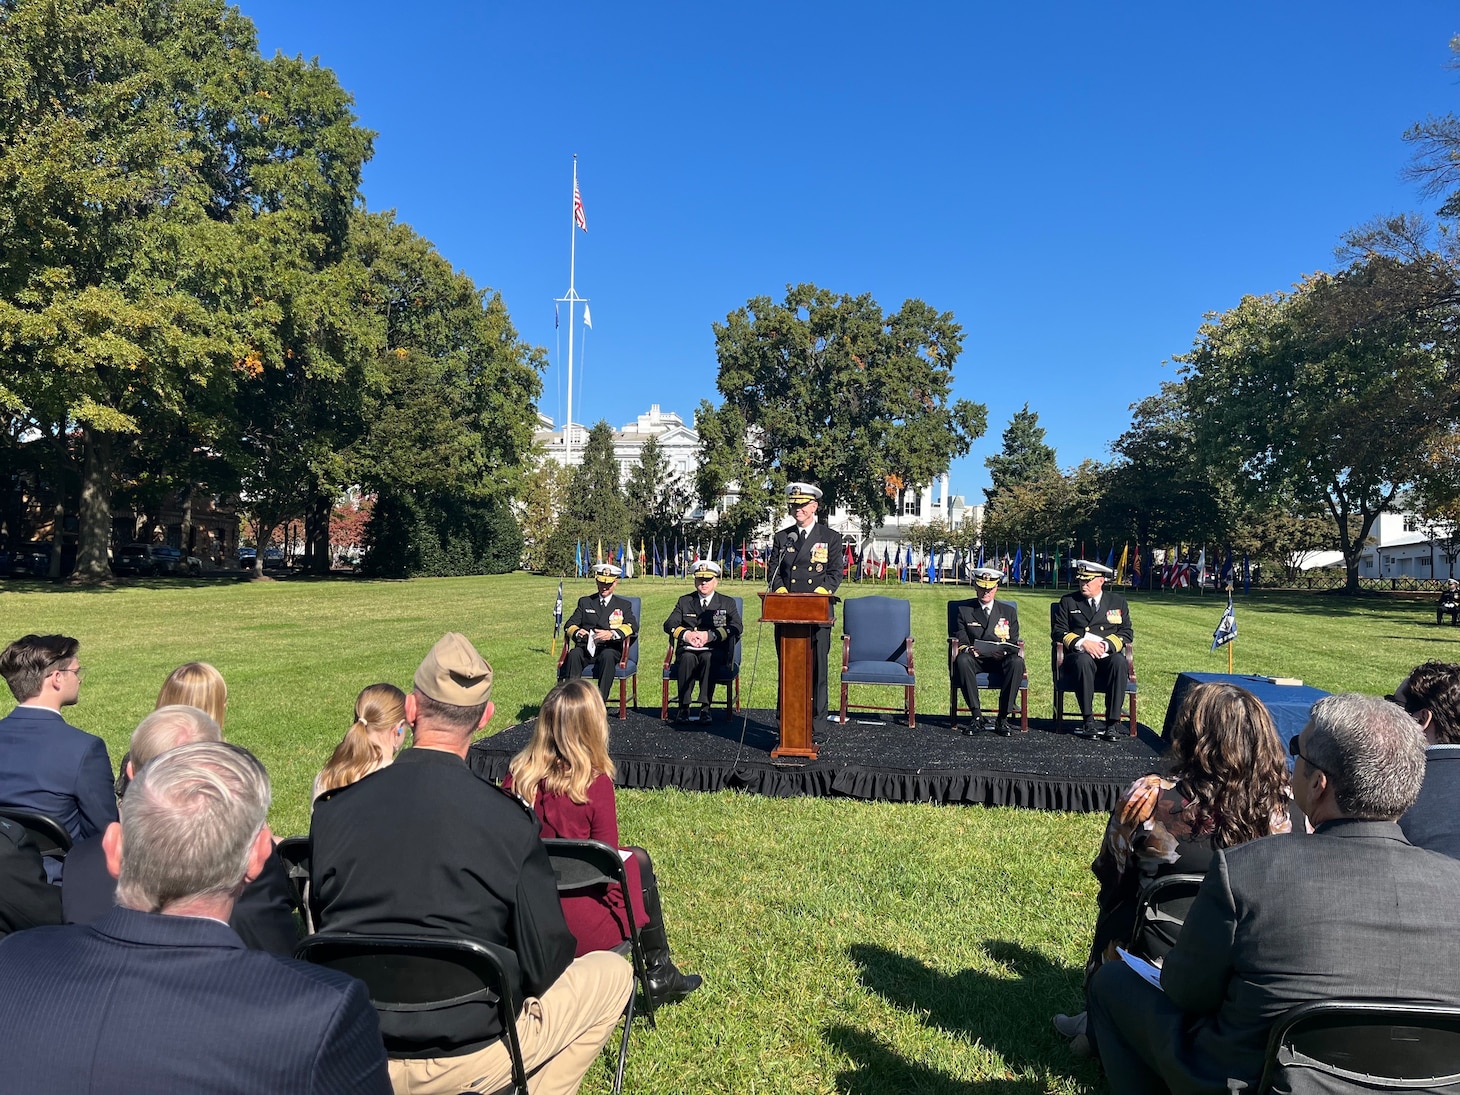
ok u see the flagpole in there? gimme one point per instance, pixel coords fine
(571, 299)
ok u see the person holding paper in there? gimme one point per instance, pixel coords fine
(988, 642)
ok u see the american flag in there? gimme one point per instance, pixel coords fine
(579, 217)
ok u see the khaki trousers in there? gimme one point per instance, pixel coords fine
(560, 1031)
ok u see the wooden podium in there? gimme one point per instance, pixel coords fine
(797, 614)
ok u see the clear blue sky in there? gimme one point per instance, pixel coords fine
(1078, 183)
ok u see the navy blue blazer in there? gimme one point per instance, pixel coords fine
(52, 768)
(143, 1003)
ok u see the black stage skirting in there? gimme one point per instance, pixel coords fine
(872, 758)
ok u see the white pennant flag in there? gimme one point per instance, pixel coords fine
(587, 318)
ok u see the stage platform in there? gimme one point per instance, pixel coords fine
(872, 758)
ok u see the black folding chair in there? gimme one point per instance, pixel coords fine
(50, 835)
(294, 851)
(408, 973)
(1160, 913)
(1370, 1045)
(579, 864)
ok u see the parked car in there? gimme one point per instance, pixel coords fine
(34, 560)
(273, 557)
(246, 557)
(147, 560)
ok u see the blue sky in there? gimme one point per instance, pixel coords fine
(1078, 183)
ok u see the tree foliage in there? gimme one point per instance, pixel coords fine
(155, 170)
(656, 496)
(1024, 458)
(595, 511)
(1327, 395)
(829, 388)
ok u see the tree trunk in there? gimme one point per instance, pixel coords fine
(187, 524)
(317, 533)
(58, 521)
(95, 512)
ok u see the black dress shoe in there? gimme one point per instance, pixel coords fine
(1110, 732)
(1002, 727)
(706, 715)
(681, 714)
(970, 730)
(1088, 730)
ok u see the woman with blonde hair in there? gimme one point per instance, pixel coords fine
(371, 743)
(566, 776)
(195, 684)
(1227, 784)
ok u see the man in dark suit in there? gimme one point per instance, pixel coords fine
(1431, 695)
(263, 914)
(988, 642)
(807, 558)
(704, 627)
(1354, 910)
(161, 995)
(426, 846)
(50, 767)
(598, 629)
(1093, 625)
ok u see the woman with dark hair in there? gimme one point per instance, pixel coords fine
(566, 775)
(1431, 695)
(1227, 784)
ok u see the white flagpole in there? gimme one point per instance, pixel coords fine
(572, 299)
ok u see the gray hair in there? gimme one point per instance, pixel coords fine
(1372, 751)
(167, 728)
(188, 825)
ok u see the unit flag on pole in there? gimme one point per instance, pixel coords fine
(1226, 630)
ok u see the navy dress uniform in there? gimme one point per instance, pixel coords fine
(988, 642)
(1094, 613)
(1449, 603)
(807, 558)
(599, 612)
(703, 627)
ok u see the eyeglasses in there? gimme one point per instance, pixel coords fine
(80, 671)
(1295, 751)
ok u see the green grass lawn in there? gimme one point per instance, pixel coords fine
(846, 946)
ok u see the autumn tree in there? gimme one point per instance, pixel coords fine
(1024, 457)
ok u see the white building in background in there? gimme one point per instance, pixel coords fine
(1399, 546)
(681, 447)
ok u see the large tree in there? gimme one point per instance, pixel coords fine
(1024, 458)
(656, 496)
(596, 512)
(828, 387)
(148, 153)
(1330, 394)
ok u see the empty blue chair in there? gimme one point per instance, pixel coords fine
(877, 648)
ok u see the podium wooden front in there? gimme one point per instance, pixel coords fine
(797, 615)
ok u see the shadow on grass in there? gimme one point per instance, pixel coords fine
(1009, 1015)
(879, 1071)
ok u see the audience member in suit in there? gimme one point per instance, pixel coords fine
(1431, 694)
(566, 775)
(988, 642)
(1449, 604)
(27, 898)
(161, 995)
(704, 627)
(427, 846)
(51, 767)
(807, 558)
(598, 630)
(1227, 783)
(371, 743)
(1353, 910)
(1093, 625)
(263, 914)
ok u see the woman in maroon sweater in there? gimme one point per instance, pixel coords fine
(566, 776)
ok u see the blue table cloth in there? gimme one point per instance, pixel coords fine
(1288, 704)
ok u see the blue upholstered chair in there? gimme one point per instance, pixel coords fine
(728, 675)
(627, 672)
(877, 648)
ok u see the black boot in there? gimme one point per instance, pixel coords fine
(667, 984)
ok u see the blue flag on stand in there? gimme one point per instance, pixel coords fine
(1226, 630)
(980, 554)
(1226, 574)
(558, 612)
(1019, 565)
